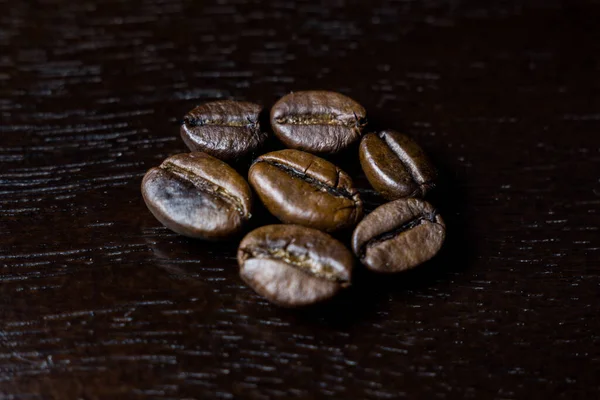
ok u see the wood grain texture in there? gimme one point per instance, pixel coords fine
(98, 301)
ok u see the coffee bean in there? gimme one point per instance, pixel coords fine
(395, 165)
(225, 129)
(197, 195)
(317, 121)
(301, 188)
(399, 235)
(292, 265)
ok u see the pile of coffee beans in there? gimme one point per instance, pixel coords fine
(298, 262)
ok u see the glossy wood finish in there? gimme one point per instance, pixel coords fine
(101, 302)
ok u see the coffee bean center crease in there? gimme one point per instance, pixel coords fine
(188, 177)
(397, 232)
(334, 190)
(318, 119)
(409, 164)
(301, 261)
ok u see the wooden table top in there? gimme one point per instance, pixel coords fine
(99, 301)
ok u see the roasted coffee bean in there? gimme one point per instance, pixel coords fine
(399, 235)
(395, 165)
(224, 129)
(301, 188)
(294, 266)
(197, 195)
(317, 121)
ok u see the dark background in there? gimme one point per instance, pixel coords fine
(98, 301)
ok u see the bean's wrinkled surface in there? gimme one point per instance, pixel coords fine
(301, 188)
(399, 235)
(317, 121)
(294, 266)
(197, 195)
(224, 129)
(395, 165)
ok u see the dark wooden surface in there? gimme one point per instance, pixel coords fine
(98, 301)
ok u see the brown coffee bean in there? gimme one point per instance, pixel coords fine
(395, 165)
(301, 188)
(317, 121)
(399, 235)
(294, 266)
(197, 195)
(224, 129)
